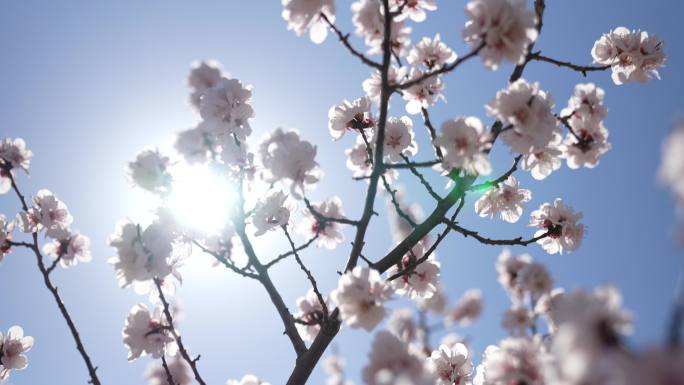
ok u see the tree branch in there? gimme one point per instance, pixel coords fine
(291, 252)
(432, 131)
(497, 181)
(494, 242)
(440, 71)
(176, 336)
(92, 369)
(225, 261)
(324, 218)
(309, 276)
(421, 178)
(579, 68)
(344, 39)
(169, 377)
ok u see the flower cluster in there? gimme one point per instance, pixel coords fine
(13, 347)
(560, 222)
(634, 56)
(507, 199)
(360, 296)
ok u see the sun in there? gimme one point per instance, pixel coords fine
(201, 198)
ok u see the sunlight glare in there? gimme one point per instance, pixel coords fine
(201, 198)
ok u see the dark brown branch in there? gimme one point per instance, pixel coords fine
(378, 170)
(169, 377)
(422, 179)
(428, 163)
(181, 347)
(539, 7)
(579, 68)
(494, 242)
(291, 252)
(308, 273)
(92, 369)
(395, 202)
(344, 39)
(54, 264)
(324, 218)
(432, 131)
(566, 122)
(225, 261)
(409, 269)
(440, 71)
(265, 279)
(501, 179)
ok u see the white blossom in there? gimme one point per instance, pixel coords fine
(402, 325)
(203, 75)
(179, 369)
(505, 27)
(413, 9)
(507, 199)
(145, 333)
(590, 326)
(369, 23)
(13, 154)
(467, 310)
(150, 171)
(424, 94)
(517, 320)
(541, 162)
(515, 360)
(587, 144)
(432, 53)
(270, 213)
(226, 106)
(420, 281)
(47, 213)
(329, 233)
(358, 160)
(196, 144)
(529, 110)
(310, 315)
(399, 139)
(13, 347)
(360, 296)
(302, 15)
(452, 364)
(435, 304)
(587, 102)
(248, 379)
(373, 85)
(142, 254)
(6, 228)
(391, 362)
(286, 157)
(334, 366)
(561, 224)
(534, 279)
(672, 162)
(69, 248)
(354, 115)
(509, 268)
(464, 141)
(633, 55)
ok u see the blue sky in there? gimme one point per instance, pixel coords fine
(89, 84)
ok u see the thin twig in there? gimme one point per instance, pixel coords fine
(432, 131)
(579, 68)
(395, 202)
(422, 179)
(308, 273)
(324, 218)
(181, 347)
(498, 180)
(494, 242)
(440, 71)
(225, 261)
(92, 369)
(344, 39)
(169, 377)
(291, 252)
(425, 164)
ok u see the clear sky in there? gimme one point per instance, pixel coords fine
(88, 84)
